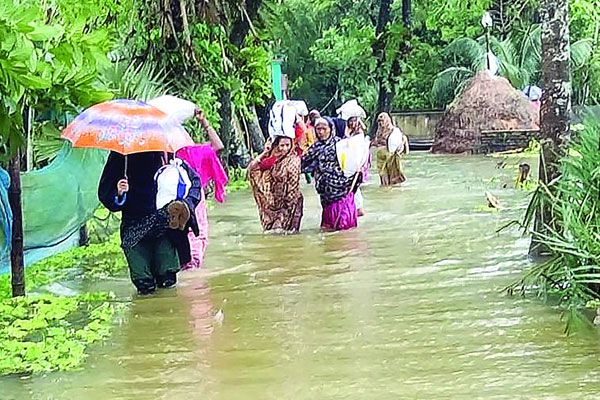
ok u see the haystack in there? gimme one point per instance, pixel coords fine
(486, 103)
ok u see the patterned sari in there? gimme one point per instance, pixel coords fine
(277, 194)
(333, 187)
(389, 165)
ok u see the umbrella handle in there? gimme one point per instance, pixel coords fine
(122, 201)
(124, 196)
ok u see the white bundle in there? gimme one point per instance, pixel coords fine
(178, 109)
(352, 153)
(172, 182)
(395, 140)
(300, 106)
(282, 120)
(351, 109)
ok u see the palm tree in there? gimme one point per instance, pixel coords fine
(555, 112)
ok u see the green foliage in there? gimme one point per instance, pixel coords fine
(49, 61)
(134, 80)
(345, 52)
(584, 16)
(572, 274)
(209, 64)
(293, 27)
(95, 261)
(98, 260)
(48, 333)
(455, 18)
(238, 179)
(418, 76)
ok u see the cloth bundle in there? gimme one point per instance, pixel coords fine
(172, 183)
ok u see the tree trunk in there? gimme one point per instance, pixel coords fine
(243, 24)
(406, 12)
(384, 96)
(383, 17)
(16, 252)
(226, 130)
(556, 105)
(257, 137)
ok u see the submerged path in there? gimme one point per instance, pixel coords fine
(407, 306)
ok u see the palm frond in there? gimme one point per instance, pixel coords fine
(139, 81)
(581, 51)
(466, 52)
(531, 49)
(572, 235)
(448, 82)
(46, 143)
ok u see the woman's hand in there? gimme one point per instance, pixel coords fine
(267, 149)
(122, 187)
(199, 114)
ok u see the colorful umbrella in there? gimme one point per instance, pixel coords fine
(127, 127)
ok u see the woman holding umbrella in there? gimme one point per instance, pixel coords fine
(154, 240)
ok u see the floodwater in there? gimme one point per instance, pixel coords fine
(407, 306)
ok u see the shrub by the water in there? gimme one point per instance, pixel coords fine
(571, 275)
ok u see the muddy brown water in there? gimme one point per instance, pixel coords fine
(407, 306)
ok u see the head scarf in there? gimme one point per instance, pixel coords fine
(316, 113)
(329, 122)
(385, 127)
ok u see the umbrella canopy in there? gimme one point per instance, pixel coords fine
(127, 127)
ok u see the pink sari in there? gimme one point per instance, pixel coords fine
(205, 161)
(341, 215)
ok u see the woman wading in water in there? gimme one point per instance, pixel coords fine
(391, 143)
(333, 187)
(275, 181)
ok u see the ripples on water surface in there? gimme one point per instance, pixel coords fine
(409, 305)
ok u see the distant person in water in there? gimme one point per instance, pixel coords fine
(354, 126)
(391, 144)
(275, 181)
(334, 188)
(313, 115)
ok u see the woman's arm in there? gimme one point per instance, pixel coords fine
(214, 138)
(255, 164)
(309, 159)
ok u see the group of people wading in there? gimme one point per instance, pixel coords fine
(162, 200)
(311, 146)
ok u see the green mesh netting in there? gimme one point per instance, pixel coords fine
(57, 201)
